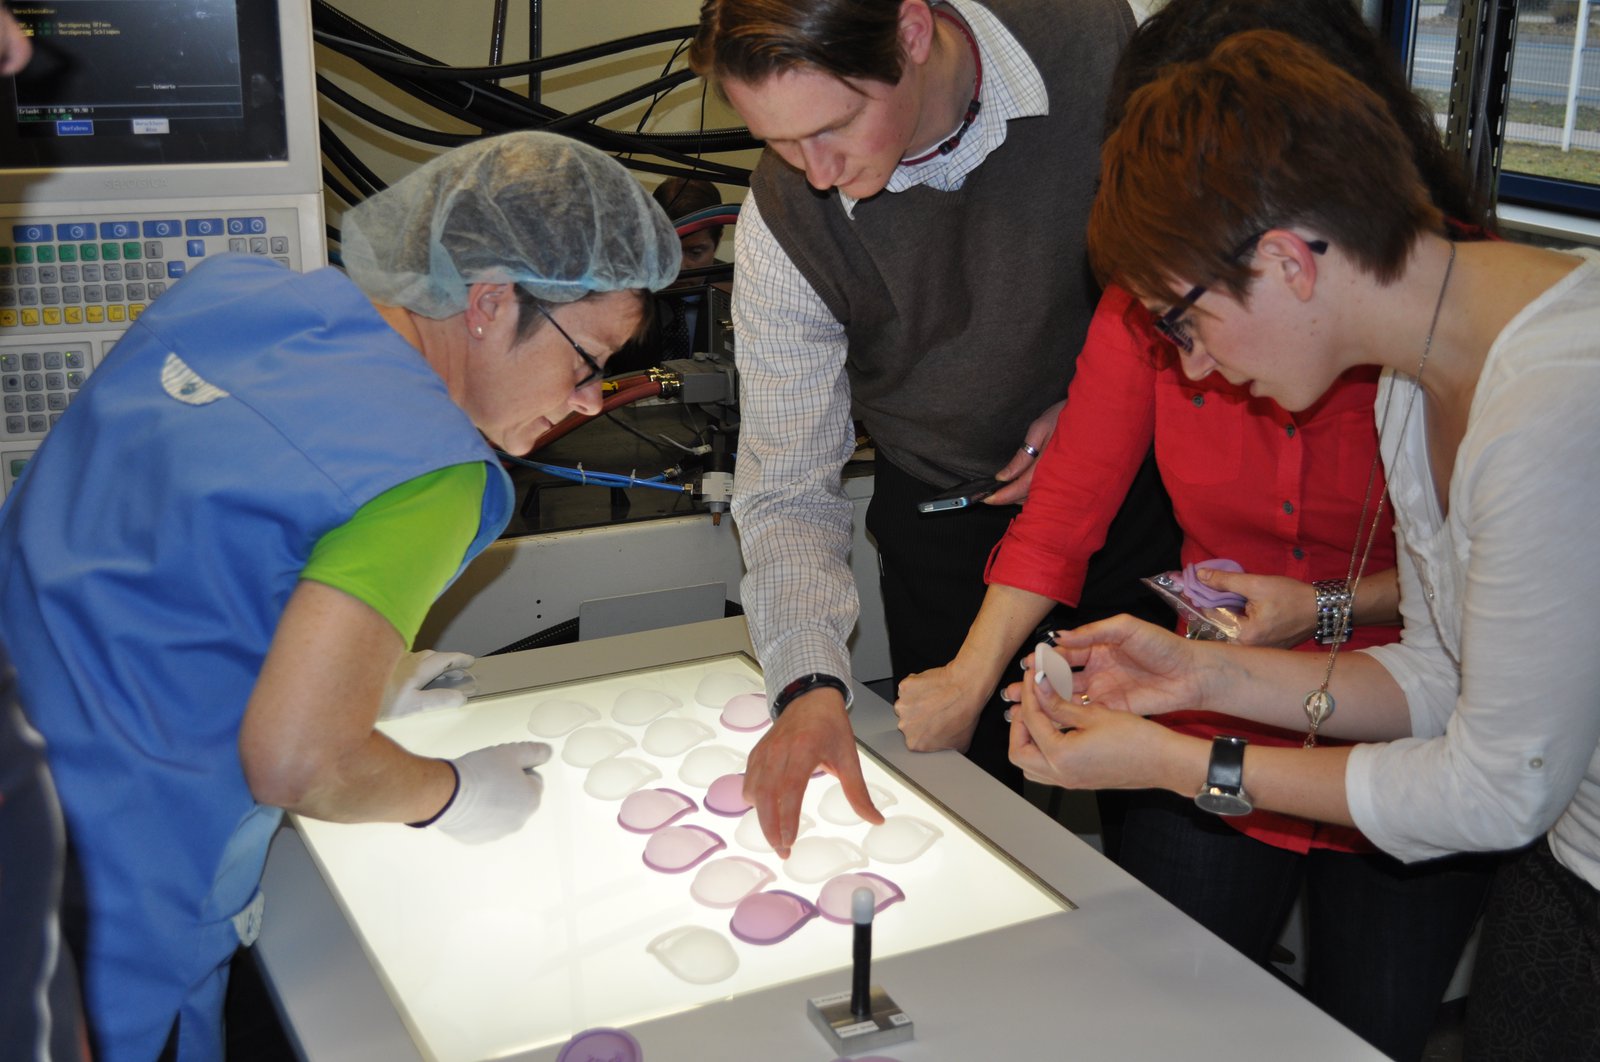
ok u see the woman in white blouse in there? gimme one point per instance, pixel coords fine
(1264, 205)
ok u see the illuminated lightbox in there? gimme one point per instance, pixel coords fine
(576, 921)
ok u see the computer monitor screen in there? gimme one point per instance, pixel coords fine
(146, 83)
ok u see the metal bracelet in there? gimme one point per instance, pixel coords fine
(1334, 607)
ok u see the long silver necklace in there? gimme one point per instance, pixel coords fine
(1319, 702)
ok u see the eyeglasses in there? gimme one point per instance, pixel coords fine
(1171, 324)
(595, 371)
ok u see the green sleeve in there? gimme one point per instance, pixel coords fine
(398, 552)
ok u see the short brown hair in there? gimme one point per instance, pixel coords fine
(1263, 133)
(751, 40)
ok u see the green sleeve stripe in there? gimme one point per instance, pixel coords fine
(400, 549)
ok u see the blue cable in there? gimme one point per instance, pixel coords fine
(596, 479)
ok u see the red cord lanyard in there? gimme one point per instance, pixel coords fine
(972, 108)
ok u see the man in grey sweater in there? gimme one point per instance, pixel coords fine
(911, 254)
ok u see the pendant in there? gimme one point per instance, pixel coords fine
(1319, 705)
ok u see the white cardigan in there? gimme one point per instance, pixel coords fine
(1500, 658)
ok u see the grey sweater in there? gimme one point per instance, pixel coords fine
(965, 310)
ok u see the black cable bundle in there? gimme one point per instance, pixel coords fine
(473, 96)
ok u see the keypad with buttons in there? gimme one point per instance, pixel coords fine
(36, 386)
(70, 285)
(66, 274)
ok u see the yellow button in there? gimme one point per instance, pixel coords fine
(74, 315)
(95, 314)
(116, 313)
(135, 310)
(30, 318)
(8, 318)
(52, 315)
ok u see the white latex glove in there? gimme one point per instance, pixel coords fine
(496, 792)
(405, 692)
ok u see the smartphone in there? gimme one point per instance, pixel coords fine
(960, 496)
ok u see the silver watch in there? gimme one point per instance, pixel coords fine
(1334, 607)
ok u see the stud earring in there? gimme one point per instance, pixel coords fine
(478, 331)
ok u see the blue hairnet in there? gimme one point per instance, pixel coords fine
(549, 213)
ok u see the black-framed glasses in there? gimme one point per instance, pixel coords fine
(1171, 325)
(595, 371)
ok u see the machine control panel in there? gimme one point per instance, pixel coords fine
(70, 284)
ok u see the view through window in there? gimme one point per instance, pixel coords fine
(1553, 117)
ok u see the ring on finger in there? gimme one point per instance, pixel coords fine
(1030, 449)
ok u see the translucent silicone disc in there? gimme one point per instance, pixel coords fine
(748, 832)
(672, 736)
(833, 902)
(638, 707)
(590, 745)
(677, 848)
(715, 689)
(900, 839)
(707, 763)
(814, 859)
(835, 808)
(768, 917)
(647, 810)
(726, 796)
(724, 882)
(746, 712)
(615, 778)
(698, 955)
(559, 716)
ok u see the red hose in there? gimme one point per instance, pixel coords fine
(648, 389)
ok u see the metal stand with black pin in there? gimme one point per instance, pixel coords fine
(864, 1017)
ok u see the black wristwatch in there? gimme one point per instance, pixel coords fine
(1223, 793)
(805, 684)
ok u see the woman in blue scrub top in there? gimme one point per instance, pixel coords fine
(215, 563)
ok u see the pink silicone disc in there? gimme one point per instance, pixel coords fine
(648, 810)
(768, 917)
(1204, 596)
(677, 848)
(726, 796)
(833, 902)
(602, 1045)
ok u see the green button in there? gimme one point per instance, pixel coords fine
(5, 255)
(47, 254)
(69, 252)
(17, 465)
(111, 252)
(130, 251)
(24, 256)
(90, 252)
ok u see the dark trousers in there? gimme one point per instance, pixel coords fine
(1384, 938)
(1536, 980)
(931, 568)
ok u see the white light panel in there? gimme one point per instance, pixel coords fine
(491, 950)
